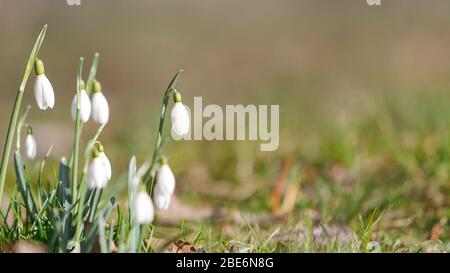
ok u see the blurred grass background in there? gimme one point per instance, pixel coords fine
(363, 94)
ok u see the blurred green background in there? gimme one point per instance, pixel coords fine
(307, 56)
(363, 92)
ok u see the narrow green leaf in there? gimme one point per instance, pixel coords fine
(91, 233)
(63, 189)
(23, 186)
(16, 108)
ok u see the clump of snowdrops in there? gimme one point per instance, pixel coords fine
(71, 216)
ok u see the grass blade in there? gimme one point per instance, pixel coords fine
(16, 108)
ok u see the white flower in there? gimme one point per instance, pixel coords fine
(100, 107)
(97, 176)
(164, 187)
(106, 164)
(30, 146)
(144, 208)
(43, 90)
(104, 159)
(85, 106)
(165, 180)
(162, 201)
(180, 119)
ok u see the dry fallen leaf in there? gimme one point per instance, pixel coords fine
(25, 247)
(290, 197)
(279, 185)
(181, 246)
(436, 231)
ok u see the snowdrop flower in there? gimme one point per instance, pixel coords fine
(43, 90)
(104, 159)
(179, 116)
(161, 201)
(97, 176)
(85, 105)
(30, 144)
(100, 107)
(144, 208)
(164, 187)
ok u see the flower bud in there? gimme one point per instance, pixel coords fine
(30, 144)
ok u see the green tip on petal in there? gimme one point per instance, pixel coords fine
(39, 67)
(29, 130)
(176, 96)
(97, 87)
(163, 160)
(95, 153)
(99, 147)
(82, 85)
(143, 188)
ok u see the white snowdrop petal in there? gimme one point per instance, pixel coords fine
(100, 108)
(38, 93)
(144, 208)
(180, 119)
(159, 199)
(165, 180)
(43, 92)
(166, 202)
(164, 187)
(49, 94)
(96, 174)
(85, 107)
(106, 164)
(30, 147)
(162, 201)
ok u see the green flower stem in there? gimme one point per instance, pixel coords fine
(90, 81)
(16, 108)
(102, 235)
(87, 156)
(92, 73)
(156, 154)
(95, 202)
(78, 129)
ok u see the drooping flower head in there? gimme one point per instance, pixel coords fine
(30, 144)
(43, 90)
(85, 105)
(97, 175)
(164, 187)
(100, 107)
(144, 208)
(104, 159)
(179, 116)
